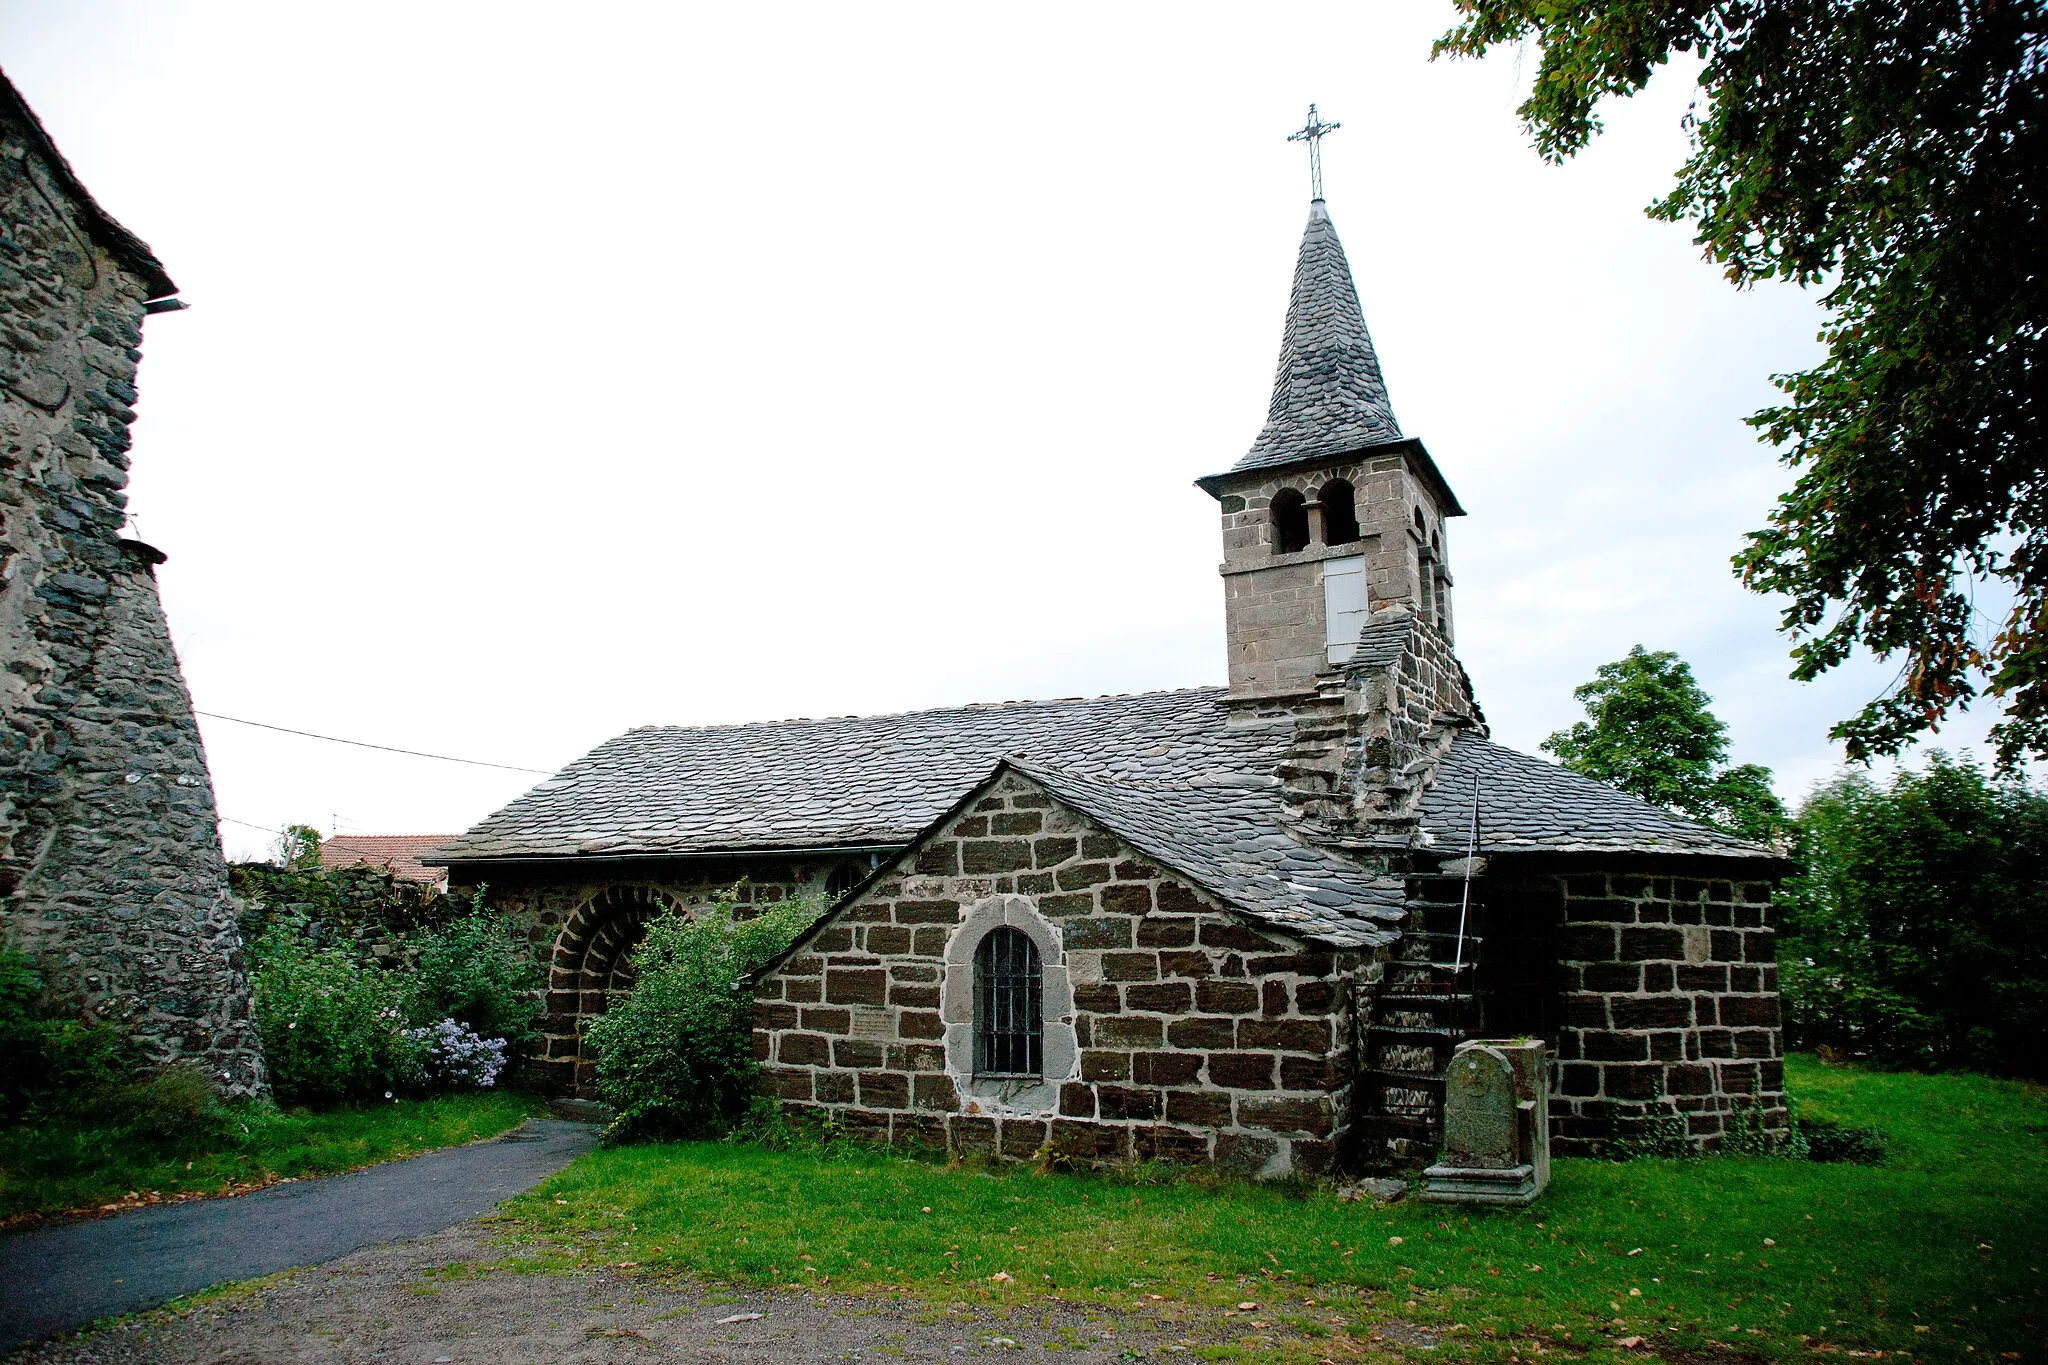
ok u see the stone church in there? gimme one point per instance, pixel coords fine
(1235, 925)
(111, 875)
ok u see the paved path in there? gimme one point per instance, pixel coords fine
(58, 1278)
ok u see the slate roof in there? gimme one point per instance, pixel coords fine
(1328, 396)
(1529, 805)
(851, 781)
(1222, 835)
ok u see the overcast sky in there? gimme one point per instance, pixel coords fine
(555, 369)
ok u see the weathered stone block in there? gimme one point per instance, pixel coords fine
(1644, 1012)
(1081, 876)
(935, 1092)
(827, 1020)
(1285, 1035)
(1129, 1031)
(1162, 997)
(857, 986)
(856, 1053)
(887, 940)
(803, 1049)
(1162, 931)
(884, 1090)
(1226, 997)
(1096, 932)
(928, 912)
(1241, 1070)
(1602, 1046)
(1053, 850)
(1285, 1114)
(1130, 966)
(1117, 1102)
(1165, 1068)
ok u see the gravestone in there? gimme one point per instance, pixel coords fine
(1496, 1138)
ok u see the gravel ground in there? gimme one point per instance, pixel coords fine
(449, 1298)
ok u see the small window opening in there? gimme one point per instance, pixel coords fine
(1340, 513)
(1009, 1034)
(844, 878)
(1421, 527)
(1290, 522)
(1436, 545)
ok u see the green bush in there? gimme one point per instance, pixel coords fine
(333, 1025)
(675, 1057)
(51, 1057)
(1917, 931)
(474, 971)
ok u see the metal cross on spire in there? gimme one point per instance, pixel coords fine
(1312, 133)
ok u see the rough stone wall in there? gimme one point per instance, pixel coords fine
(111, 873)
(585, 924)
(1273, 603)
(1670, 1004)
(1175, 1029)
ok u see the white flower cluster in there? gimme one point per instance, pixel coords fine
(451, 1055)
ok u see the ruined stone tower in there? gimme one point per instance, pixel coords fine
(1334, 517)
(111, 874)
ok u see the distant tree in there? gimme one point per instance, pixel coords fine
(1917, 932)
(1649, 731)
(1891, 150)
(297, 848)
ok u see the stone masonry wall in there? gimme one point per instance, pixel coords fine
(111, 873)
(1176, 1030)
(1670, 1003)
(584, 927)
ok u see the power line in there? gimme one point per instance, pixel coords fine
(360, 744)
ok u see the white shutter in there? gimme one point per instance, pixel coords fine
(1343, 605)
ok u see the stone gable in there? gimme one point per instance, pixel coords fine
(1176, 1029)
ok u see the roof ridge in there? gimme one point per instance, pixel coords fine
(958, 709)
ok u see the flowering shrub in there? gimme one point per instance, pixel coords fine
(333, 1026)
(452, 1057)
(476, 971)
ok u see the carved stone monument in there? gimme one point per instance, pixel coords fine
(1496, 1134)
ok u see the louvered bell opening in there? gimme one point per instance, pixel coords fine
(1008, 1006)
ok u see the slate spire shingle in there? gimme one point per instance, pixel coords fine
(1328, 396)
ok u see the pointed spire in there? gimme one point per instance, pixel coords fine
(1328, 395)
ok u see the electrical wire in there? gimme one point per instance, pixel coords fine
(360, 744)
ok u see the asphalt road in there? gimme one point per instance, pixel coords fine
(55, 1279)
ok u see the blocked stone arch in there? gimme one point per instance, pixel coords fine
(590, 963)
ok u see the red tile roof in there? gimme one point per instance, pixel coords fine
(398, 854)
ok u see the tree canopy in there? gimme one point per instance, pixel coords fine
(1890, 150)
(1649, 730)
(1917, 931)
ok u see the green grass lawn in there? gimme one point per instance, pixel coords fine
(1938, 1254)
(51, 1170)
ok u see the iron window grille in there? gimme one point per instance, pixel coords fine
(1009, 1006)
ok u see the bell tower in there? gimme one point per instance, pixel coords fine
(1334, 518)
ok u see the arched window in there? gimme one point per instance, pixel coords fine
(1420, 527)
(1009, 1006)
(1340, 513)
(1290, 522)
